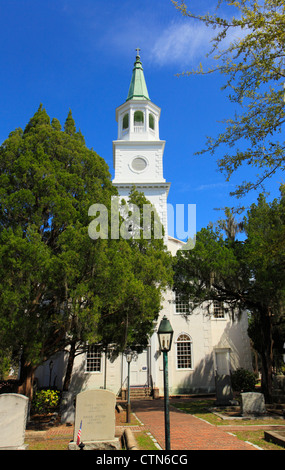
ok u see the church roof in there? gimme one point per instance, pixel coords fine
(138, 88)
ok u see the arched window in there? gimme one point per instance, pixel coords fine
(138, 118)
(126, 121)
(151, 121)
(184, 351)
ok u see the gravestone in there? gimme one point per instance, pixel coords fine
(95, 415)
(252, 403)
(224, 393)
(13, 420)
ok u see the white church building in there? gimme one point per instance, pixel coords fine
(204, 344)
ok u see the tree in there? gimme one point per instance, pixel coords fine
(59, 288)
(245, 275)
(144, 268)
(48, 181)
(253, 66)
(129, 279)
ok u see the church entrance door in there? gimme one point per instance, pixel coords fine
(139, 370)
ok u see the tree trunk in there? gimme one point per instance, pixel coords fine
(27, 372)
(69, 367)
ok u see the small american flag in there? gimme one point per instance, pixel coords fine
(79, 434)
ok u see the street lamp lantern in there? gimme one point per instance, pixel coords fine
(165, 335)
(129, 355)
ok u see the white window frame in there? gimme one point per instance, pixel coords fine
(218, 310)
(183, 306)
(183, 355)
(95, 355)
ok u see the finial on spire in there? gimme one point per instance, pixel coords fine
(138, 88)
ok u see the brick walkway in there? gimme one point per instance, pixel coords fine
(186, 431)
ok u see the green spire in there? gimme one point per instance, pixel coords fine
(138, 88)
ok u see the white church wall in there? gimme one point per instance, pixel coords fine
(126, 172)
(109, 375)
(207, 335)
(231, 333)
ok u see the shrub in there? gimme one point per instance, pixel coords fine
(45, 401)
(243, 380)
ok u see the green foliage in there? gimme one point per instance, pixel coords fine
(248, 48)
(5, 363)
(57, 285)
(45, 401)
(243, 380)
(132, 296)
(48, 180)
(245, 275)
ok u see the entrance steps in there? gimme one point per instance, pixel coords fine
(137, 393)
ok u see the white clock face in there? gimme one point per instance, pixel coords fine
(139, 164)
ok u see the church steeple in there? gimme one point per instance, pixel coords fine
(138, 117)
(138, 88)
(138, 150)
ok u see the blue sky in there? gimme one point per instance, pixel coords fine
(79, 55)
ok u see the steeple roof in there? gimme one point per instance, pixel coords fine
(138, 88)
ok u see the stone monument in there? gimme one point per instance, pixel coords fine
(95, 418)
(13, 420)
(224, 393)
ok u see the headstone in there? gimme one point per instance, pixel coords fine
(252, 403)
(13, 420)
(95, 416)
(224, 393)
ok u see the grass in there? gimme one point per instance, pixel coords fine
(200, 408)
(144, 441)
(48, 444)
(257, 438)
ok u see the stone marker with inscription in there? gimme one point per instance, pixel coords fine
(95, 409)
(13, 420)
(252, 403)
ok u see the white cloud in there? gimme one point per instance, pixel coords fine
(164, 37)
(210, 186)
(182, 44)
(187, 43)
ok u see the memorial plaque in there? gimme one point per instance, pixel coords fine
(96, 410)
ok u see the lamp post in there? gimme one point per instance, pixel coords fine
(165, 335)
(129, 356)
